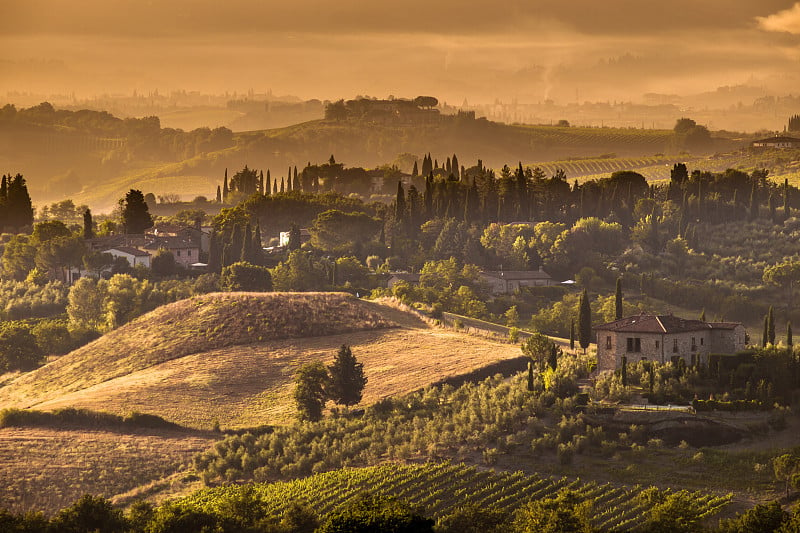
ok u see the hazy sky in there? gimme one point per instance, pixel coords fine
(475, 49)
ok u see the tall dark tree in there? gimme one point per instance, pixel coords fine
(294, 237)
(257, 248)
(18, 207)
(219, 195)
(624, 371)
(789, 340)
(88, 226)
(135, 213)
(268, 184)
(552, 360)
(225, 187)
(572, 334)
(765, 333)
(584, 322)
(618, 300)
(753, 212)
(415, 170)
(347, 379)
(771, 325)
(400, 204)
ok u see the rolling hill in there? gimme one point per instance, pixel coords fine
(230, 358)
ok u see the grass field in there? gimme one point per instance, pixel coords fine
(47, 469)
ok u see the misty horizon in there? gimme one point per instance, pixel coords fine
(471, 51)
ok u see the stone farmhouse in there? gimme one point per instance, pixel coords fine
(665, 338)
(777, 142)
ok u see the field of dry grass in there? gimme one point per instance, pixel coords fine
(198, 324)
(46, 469)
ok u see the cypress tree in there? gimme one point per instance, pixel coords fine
(572, 334)
(135, 213)
(268, 185)
(347, 378)
(214, 254)
(400, 203)
(618, 300)
(415, 170)
(295, 180)
(624, 371)
(247, 244)
(552, 361)
(584, 322)
(455, 167)
(275, 186)
(18, 205)
(88, 226)
(448, 167)
(789, 341)
(225, 187)
(786, 209)
(530, 376)
(765, 334)
(233, 251)
(753, 213)
(261, 182)
(771, 325)
(283, 184)
(257, 250)
(219, 195)
(294, 238)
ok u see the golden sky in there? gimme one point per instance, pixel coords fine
(475, 49)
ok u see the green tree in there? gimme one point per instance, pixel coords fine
(298, 273)
(472, 518)
(335, 230)
(373, 514)
(765, 333)
(294, 238)
(678, 512)
(311, 381)
(618, 300)
(18, 257)
(787, 468)
(512, 317)
(565, 513)
(784, 275)
(85, 307)
(89, 513)
(584, 322)
(763, 518)
(347, 379)
(624, 371)
(537, 347)
(163, 263)
(18, 348)
(135, 212)
(244, 276)
(572, 334)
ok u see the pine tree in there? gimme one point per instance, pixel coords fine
(88, 226)
(584, 322)
(618, 300)
(347, 379)
(771, 326)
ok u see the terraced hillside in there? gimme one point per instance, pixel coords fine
(438, 488)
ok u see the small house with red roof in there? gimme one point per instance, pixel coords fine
(665, 338)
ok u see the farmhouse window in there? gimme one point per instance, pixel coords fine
(701, 341)
(634, 344)
(178, 253)
(694, 345)
(608, 342)
(658, 344)
(189, 253)
(674, 345)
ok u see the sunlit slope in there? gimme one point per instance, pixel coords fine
(198, 324)
(224, 373)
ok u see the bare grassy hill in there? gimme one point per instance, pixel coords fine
(231, 358)
(190, 326)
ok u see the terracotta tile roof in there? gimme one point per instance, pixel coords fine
(129, 250)
(662, 324)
